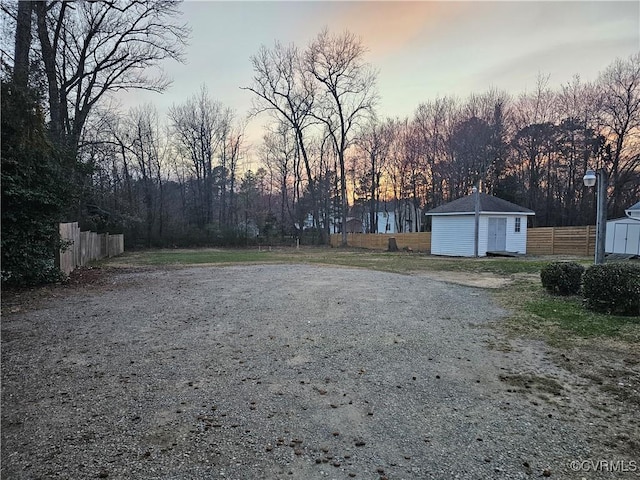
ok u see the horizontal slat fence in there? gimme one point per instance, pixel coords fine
(85, 247)
(540, 241)
(418, 241)
(562, 241)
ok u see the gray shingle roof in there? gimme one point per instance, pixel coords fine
(634, 207)
(487, 204)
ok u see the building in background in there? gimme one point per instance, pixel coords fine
(502, 227)
(623, 234)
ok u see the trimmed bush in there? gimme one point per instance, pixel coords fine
(562, 278)
(613, 288)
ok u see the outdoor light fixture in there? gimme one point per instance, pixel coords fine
(476, 220)
(589, 178)
(602, 179)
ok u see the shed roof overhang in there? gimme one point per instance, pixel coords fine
(455, 214)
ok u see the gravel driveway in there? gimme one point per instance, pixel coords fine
(285, 371)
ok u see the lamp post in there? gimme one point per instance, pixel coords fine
(476, 221)
(601, 180)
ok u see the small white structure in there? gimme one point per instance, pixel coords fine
(386, 222)
(405, 218)
(623, 234)
(502, 227)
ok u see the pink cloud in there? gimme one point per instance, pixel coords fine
(387, 27)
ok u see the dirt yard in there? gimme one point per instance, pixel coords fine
(299, 372)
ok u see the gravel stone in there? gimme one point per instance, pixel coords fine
(228, 372)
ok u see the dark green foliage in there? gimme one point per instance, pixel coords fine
(613, 288)
(562, 278)
(34, 193)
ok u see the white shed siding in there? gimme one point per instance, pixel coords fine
(452, 235)
(516, 241)
(483, 236)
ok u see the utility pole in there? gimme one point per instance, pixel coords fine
(476, 230)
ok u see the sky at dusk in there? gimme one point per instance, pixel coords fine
(422, 50)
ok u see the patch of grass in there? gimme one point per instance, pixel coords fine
(570, 314)
(400, 262)
(559, 320)
(509, 266)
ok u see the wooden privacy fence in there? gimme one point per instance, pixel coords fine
(418, 242)
(540, 241)
(562, 240)
(85, 247)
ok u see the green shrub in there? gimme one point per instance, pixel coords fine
(562, 278)
(613, 288)
(35, 191)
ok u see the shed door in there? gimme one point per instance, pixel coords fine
(497, 240)
(633, 239)
(620, 231)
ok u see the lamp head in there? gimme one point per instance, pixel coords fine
(589, 178)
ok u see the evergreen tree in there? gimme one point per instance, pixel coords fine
(34, 192)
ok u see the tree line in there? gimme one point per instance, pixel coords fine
(327, 153)
(532, 149)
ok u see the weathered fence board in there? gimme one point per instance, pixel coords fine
(540, 241)
(69, 257)
(80, 248)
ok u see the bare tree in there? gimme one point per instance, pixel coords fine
(348, 94)
(231, 138)
(284, 89)
(401, 168)
(375, 143)
(145, 137)
(129, 173)
(534, 145)
(193, 125)
(578, 105)
(203, 133)
(491, 109)
(620, 95)
(470, 141)
(279, 155)
(434, 123)
(106, 132)
(91, 48)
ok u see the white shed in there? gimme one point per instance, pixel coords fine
(623, 234)
(502, 227)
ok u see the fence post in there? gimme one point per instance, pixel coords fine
(553, 240)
